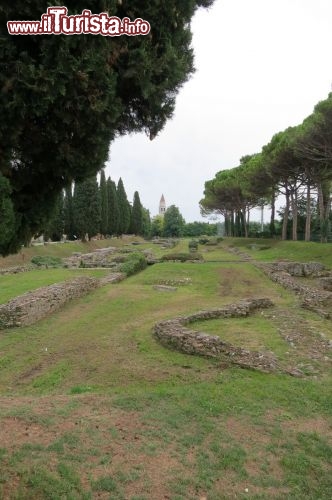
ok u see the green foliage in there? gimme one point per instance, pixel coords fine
(46, 261)
(193, 245)
(135, 263)
(7, 214)
(146, 223)
(113, 208)
(195, 229)
(65, 98)
(173, 222)
(68, 213)
(103, 204)
(296, 158)
(157, 225)
(55, 227)
(137, 215)
(86, 205)
(124, 209)
(182, 257)
(212, 242)
(203, 240)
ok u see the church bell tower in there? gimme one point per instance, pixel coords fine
(162, 206)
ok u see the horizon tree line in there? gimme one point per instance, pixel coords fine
(89, 208)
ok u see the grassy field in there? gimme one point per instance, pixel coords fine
(91, 406)
(270, 250)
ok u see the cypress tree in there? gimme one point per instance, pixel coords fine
(113, 208)
(7, 215)
(146, 223)
(68, 213)
(64, 99)
(86, 205)
(124, 210)
(55, 227)
(103, 204)
(137, 215)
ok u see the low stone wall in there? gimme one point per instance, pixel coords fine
(17, 269)
(32, 306)
(300, 269)
(98, 258)
(174, 334)
(312, 298)
(112, 278)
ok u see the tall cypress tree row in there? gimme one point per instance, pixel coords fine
(124, 210)
(103, 204)
(113, 208)
(137, 215)
(86, 205)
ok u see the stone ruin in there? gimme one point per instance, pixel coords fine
(33, 306)
(174, 334)
(313, 298)
(299, 269)
(98, 258)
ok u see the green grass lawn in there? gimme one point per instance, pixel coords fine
(283, 250)
(16, 284)
(92, 406)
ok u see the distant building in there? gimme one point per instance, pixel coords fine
(162, 206)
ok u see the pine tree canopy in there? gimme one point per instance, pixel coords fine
(63, 99)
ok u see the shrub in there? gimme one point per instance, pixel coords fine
(203, 240)
(183, 257)
(135, 262)
(212, 242)
(47, 261)
(193, 245)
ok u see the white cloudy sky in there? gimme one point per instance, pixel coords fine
(262, 65)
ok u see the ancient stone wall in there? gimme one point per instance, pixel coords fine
(174, 334)
(33, 306)
(312, 298)
(98, 258)
(17, 269)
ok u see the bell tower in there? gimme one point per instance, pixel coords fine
(162, 206)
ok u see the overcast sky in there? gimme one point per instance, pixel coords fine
(261, 66)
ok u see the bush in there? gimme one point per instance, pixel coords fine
(183, 257)
(203, 240)
(47, 261)
(193, 245)
(136, 262)
(212, 242)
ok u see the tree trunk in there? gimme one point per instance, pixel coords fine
(294, 213)
(308, 215)
(227, 228)
(232, 223)
(244, 227)
(286, 215)
(324, 210)
(247, 222)
(273, 213)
